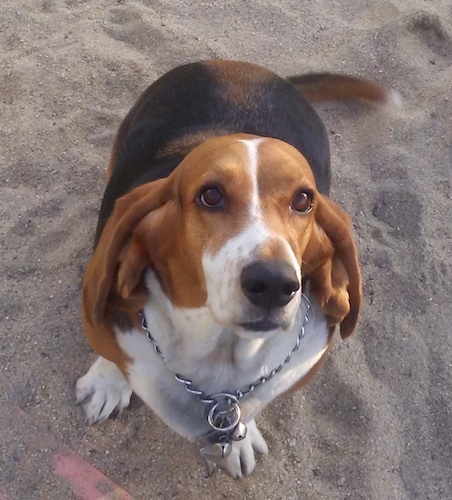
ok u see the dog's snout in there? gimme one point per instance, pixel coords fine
(269, 284)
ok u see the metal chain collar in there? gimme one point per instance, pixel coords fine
(224, 412)
(238, 394)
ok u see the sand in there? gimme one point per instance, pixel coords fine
(376, 424)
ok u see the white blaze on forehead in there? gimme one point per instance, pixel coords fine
(252, 163)
(252, 150)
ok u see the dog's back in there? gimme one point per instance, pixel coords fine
(198, 101)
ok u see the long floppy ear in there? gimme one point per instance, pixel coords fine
(330, 263)
(119, 259)
(129, 288)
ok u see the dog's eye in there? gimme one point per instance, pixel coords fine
(302, 202)
(211, 197)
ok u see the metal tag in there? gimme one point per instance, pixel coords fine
(225, 413)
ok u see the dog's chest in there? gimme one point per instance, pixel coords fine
(214, 365)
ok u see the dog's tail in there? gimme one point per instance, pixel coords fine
(333, 87)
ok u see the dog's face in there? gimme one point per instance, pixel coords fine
(234, 228)
(250, 204)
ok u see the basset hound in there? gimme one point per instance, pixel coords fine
(221, 267)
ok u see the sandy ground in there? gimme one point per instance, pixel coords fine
(376, 423)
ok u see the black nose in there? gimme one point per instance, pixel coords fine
(269, 284)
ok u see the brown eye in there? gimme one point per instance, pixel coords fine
(211, 197)
(302, 202)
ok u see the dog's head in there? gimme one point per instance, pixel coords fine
(237, 227)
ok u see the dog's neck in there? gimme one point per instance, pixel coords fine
(214, 357)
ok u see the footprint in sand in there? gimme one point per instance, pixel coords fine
(431, 31)
(401, 210)
(129, 26)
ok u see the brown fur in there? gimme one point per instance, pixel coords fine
(331, 264)
(160, 225)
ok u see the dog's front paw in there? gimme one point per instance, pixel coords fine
(242, 460)
(102, 391)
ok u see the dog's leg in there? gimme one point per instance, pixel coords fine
(103, 390)
(241, 461)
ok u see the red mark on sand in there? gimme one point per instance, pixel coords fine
(86, 480)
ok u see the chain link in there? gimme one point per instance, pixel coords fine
(239, 394)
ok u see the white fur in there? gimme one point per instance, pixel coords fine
(242, 461)
(226, 301)
(216, 360)
(252, 146)
(208, 346)
(102, 391)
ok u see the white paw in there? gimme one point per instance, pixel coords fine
(103, 390)
(242, 460)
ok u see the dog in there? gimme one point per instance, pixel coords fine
(221, 267)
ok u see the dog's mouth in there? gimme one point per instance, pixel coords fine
(267, 323)
(276, 318)
(260, 325)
